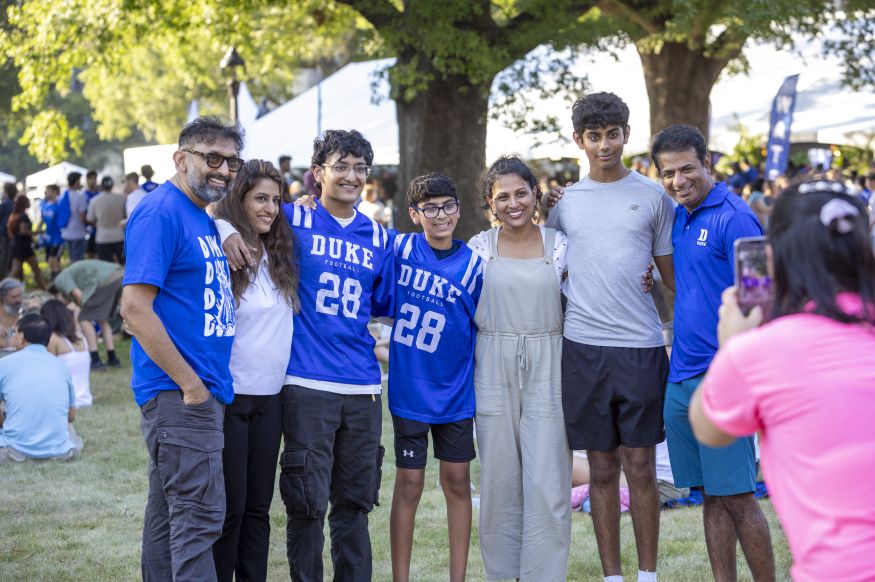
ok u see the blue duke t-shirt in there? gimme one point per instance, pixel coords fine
(173, 244)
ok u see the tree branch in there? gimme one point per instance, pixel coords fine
(380, 13)
(617, 8)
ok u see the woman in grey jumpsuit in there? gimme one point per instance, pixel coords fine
(525, 509)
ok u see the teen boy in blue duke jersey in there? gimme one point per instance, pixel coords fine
(431, 368)
(331, 397)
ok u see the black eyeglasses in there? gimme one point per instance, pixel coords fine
(215, 161)
(361, 170)
(449, 209)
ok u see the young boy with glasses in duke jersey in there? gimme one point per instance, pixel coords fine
(331, 397)
(431, 368)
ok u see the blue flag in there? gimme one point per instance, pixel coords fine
(778, 150)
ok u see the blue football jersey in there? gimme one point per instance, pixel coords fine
(346, 275)
(431, 354)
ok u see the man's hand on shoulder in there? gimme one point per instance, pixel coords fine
(555, 194)
(237, 253)
(307, 201)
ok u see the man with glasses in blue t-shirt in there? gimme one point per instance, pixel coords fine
(178, 305)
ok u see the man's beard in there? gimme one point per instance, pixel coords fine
(204, 191)
(11, 309)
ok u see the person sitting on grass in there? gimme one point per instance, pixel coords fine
(40, 402)
(11, 296)
(95, 286)
(431, 368)
(70, 347)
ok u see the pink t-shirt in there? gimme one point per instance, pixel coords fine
(808, 384)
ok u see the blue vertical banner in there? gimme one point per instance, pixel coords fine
(778, 150)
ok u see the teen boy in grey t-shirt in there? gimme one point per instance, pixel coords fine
(620, 226)
(614, 364)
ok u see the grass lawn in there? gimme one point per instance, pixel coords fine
(82, 520)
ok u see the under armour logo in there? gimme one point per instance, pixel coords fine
(703, 237)
(406, 453)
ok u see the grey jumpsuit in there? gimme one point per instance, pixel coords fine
(525, 507)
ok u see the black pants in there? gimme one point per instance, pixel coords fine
(253, 425)
(111, 252)
(332, 453)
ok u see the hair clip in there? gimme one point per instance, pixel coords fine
(822, 186)
(839, 212)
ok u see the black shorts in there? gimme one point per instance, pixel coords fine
(53, 251)
(453, 442)
(613, 396)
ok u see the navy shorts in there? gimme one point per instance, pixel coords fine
(453, 442)
(721, 471)
(613, 396)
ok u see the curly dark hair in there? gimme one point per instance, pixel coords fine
(347, 143)
(512, 165)
(279, 242)
(208, 129)
(599, 110)
(429, 186)
(60, 319)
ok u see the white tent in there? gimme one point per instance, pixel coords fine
(4, 177)
(160, 157)
(56, 174)
(341, 101)
(825, 111)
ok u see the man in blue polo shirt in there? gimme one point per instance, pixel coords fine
(708, 220)
(178, 305)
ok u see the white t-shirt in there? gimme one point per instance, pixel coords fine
(263, 341)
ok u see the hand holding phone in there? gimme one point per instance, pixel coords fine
(754, 282)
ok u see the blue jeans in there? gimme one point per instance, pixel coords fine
(76, 250)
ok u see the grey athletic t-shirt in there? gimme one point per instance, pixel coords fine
(613, 231)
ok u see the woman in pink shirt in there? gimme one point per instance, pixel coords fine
(806, 382)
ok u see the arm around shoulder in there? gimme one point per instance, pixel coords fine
(665, 264)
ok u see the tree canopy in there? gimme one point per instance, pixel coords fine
(142, 61)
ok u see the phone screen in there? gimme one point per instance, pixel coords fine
(753, 275)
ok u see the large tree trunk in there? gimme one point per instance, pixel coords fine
(443, 129)
(679, 83)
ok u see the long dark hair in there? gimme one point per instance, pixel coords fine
(279, 241)
(819, 254)
(19, 207)
(60, 319)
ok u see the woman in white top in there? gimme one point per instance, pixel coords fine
(266, 298)
(69, 345)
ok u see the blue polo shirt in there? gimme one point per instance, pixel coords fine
(704, 264)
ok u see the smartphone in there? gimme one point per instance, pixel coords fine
(753, 275)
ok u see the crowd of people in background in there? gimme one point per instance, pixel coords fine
(248, 290)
